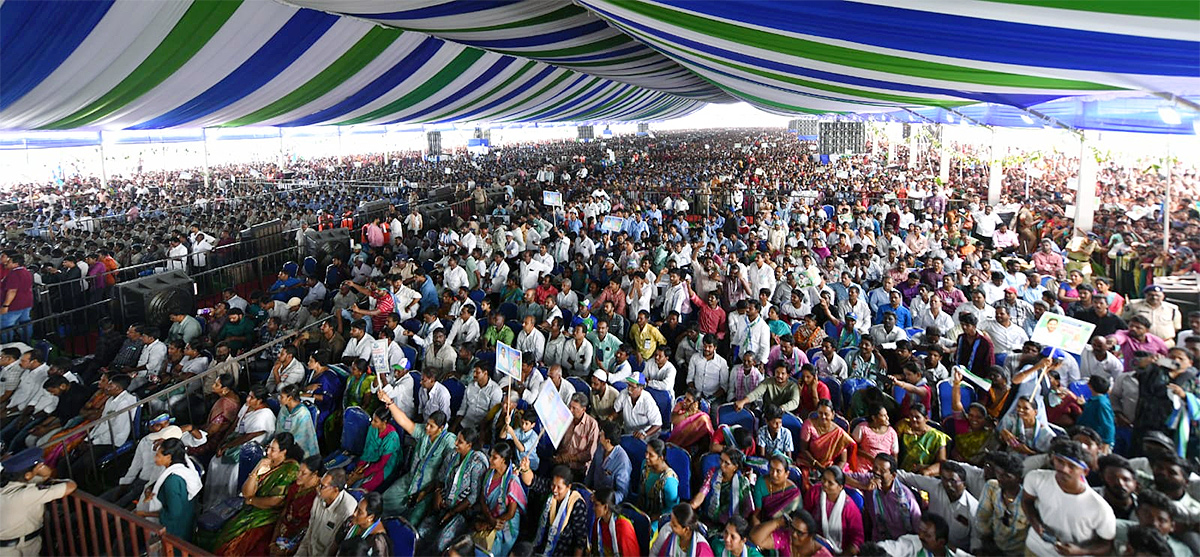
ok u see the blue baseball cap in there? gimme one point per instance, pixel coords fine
(23, 461)
(852, 315)
(1052, 352)
(636, 378)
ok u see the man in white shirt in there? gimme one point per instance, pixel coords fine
(577, 354)
(331, 507)
(828, 363)
(757, 339)
(638, 409)
(465, 330)
(150, 362)
(481, 395)
(887, 332)
(1006, 335)
(934, 317)
(531, 271)
(454, 276)
(553, 353)
(400, 390)
(978, 307)
(112, 431)
(1059, 503)
(531, 340)
(660, 372)
(948, 498)
(433, 397)
(177, 256)
(287, 370)
(708, 372)
(359, 345)
(1099, 361)
(497, 273)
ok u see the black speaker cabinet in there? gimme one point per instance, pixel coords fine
(262, 239)
(322, 245)
(842, 137)
(151, 300)
(435, 142)
(587, 133)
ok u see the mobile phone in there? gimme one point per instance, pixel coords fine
(1048, 536)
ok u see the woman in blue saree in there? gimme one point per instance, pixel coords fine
(502, 504)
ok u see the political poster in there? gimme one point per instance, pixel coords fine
(1062, 332)
(552, 198)
(555, 415)
(508, 360)
(612, 224)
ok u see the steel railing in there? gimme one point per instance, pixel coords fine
(82, 524)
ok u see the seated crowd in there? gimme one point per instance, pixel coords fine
(750, 381)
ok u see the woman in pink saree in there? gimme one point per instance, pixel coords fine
(690, 426)
(823, 443)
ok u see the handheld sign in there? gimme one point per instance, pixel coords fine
(612, 224)
(555, 415)
(552, 198)
(1063, 332)
(508, 360)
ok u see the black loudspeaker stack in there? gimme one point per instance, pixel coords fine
(842, 137)
(587, 133)
(152, 299)
(435, 142)
(643, 128)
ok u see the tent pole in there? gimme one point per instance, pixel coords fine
(204, 142)
(103, 166)
(1166, 209)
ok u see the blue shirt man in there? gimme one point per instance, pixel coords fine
(610, 466)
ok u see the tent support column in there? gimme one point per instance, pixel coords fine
(1085, 195)
(1166, 208)
(995, 173)
(944, 151)
(103, 164)
(204, 145)
(912, 146)
(282, 151)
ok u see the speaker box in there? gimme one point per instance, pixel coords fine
(322, 245)
(435, 142)
(836, 138)
(643, 128)
(152, 299)
(262, 239)
(444, 193)
(372, 209)
(587, 133)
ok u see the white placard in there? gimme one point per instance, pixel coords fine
(508, 360)
(555, 415)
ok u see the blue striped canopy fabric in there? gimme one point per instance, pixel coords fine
(129, 64)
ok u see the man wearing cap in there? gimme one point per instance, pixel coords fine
(23, 496)
(638, 409)
(143, 470)
(1164, 317)
(604, 396)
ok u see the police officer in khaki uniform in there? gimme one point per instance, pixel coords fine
(23, 496)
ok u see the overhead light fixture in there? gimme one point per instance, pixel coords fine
(950, 118)
(1169, 116)
(1196, 126)
(1025, 118)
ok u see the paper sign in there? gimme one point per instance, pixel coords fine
(555, 415)
(1063, 332)
(810, 277)
(508, 360)
(843, 174)
(552, 198)
(612, 224)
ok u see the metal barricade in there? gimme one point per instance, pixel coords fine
(82, 524)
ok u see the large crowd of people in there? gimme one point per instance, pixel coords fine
(762, 353)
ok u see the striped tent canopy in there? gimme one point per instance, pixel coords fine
(105, 64)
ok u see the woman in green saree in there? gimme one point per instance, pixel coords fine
(458, 493)
(660, 484)
(774, 494)
(380, 454)
(412, 494)
(924, 447)
(249, 532)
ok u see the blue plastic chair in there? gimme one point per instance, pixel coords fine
(1081, 388)
(945, 394)
(510, 311)
(792, 424)
(681, 462)
(835, 391)
(846, 351)
(641, 525)
(708, 462)
(1000, 357)
(357, 493)
(663, 400)
(853, 385)
(899, 393)
(796, 475)
(727, 415)
(457, 392)
(620, 386)
(831, 330)
(403, 535)
(812, 353)
(477, 296)
(587, 499)
(355, 423)
(410, 354)
(567, 316)
(249, 456)
(856, 495)
(581, 386)
(636, 450)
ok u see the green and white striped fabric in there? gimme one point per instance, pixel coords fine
(104, 64)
